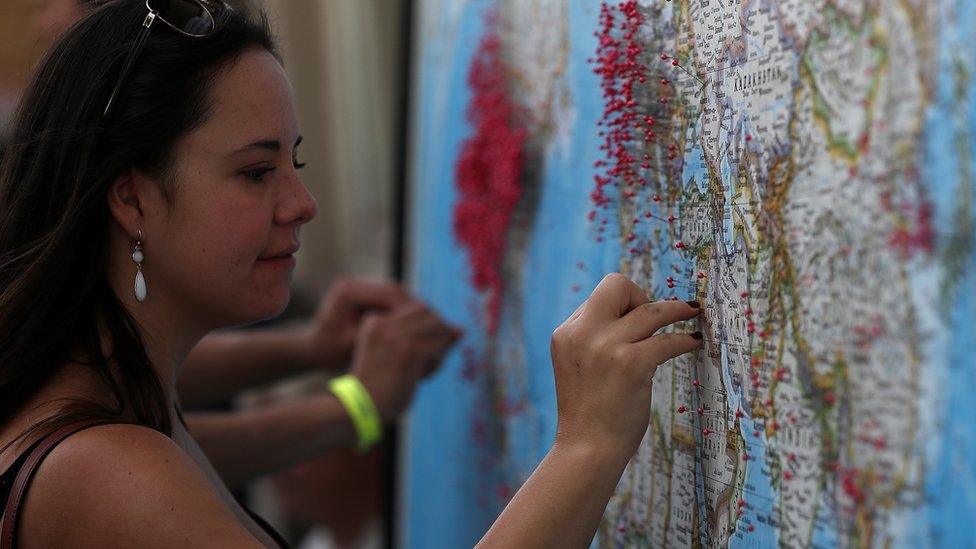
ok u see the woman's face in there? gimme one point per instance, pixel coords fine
(238, 200)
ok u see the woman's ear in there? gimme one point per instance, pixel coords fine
(131, 198)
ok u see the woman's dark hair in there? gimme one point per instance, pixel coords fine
(61, 159)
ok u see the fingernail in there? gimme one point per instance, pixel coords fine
(693, 304)
(698, 335)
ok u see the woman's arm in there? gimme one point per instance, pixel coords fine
(563, 501)
(248, 444)
(226, 363)
(393, 352)
(603, 357)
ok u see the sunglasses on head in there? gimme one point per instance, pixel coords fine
(191, 18)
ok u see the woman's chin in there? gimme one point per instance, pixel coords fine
(265, 307)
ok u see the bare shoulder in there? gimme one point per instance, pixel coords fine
(125, 485)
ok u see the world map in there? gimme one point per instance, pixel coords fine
(803, 168)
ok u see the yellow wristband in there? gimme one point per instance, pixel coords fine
(355, 398)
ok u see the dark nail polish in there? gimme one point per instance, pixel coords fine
(694, 304)
(698, 335)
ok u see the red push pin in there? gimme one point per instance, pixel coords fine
(656, 198)
(706, 431)
(739, 414)
(791, 456)
(679, 245)
(674, 62)
(682, 409)
(748, 137)
(756, 433)
(665, 81)
(701, 410)
(751, 528)
(664, 57)
(696, 383)
(741, 502)
(745, 457)
(701, 275)
(672, 219)
(744, 295)
(787, 474)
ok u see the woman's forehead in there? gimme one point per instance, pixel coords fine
(250, 101)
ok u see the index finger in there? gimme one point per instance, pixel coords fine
(615, 296)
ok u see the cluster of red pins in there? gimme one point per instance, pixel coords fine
(917, 235)
(622, 124)
(488, 173)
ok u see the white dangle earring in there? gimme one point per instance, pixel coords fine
(137, 256)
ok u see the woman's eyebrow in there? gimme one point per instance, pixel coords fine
(269, 144)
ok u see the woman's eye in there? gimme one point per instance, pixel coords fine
(256, 174)
(299, 165)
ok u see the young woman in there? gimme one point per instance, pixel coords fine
(150, 194)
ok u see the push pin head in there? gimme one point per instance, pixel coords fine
(679, 245)
(682, 409)
(696, 383)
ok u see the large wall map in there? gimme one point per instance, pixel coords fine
(804, 168)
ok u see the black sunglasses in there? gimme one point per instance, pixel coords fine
(191, 18)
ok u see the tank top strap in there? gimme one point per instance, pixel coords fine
(21, 473)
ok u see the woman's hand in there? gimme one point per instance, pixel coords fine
(604, 357)
(328, 338)
(396, 350)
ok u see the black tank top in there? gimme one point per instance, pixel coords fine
(8, 476)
